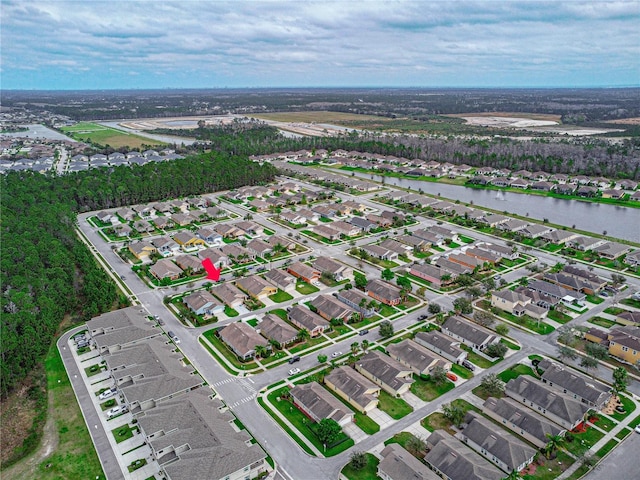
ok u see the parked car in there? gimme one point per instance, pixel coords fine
(363, 332)
(452, 376)
(468, 365)
(117, 411)
(293, 371)
(294, 359)
(107, 394)
(176, 340)
(637, 429)
(83, 344)
(336, 354)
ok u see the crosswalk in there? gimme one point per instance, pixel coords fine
(245, 384)
(241, 401)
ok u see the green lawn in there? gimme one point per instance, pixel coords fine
(604, 423)
(282, 313)
(558, 316)
(93, 370)
(583, 441)
(108, 404)
(631, 302)
(305, 288)
(602, 322)
(525, 321)
(461, 371)
(103, 135)
(396, 408)
(437, 420)
(614, 310)
(597, 299)
(123, 433)
(622, 434)
(401, 438)
(386, 310)
(427, 390)
(466, 239)
(369, 472)
(509, 344)
(515, 371)
(280, 296)
(230, 312)
(551, 469)
(301, 423)
(628, 405)
(228, 354)
(477, 359)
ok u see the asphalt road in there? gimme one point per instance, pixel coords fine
(621, 464)
(240, 393)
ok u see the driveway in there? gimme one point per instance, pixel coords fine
(381, 418)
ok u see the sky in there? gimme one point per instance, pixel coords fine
(122, 44)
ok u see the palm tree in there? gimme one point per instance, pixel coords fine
(555, 442)
(260, 350)
(303, 334)
(365, 345)
(354, 347)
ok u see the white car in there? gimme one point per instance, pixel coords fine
(336, 354)
(293, 371)
(117, 411)
(107, 394)
(637, 429)
(176, 340)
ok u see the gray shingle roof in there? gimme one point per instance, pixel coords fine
(354, 385)
(398, 464)
(467, 330)
(416, 355)
(574, 382)
(385, 368)
(319, 402)
(505, 447)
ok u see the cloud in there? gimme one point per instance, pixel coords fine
(290, 43)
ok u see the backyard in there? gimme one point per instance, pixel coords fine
(427, 390)
(395, 407)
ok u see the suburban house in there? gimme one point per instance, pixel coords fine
(219, 259)
(165, 246)
(443, 345)
(419, 359)
(328, 308)
(275, 240)
(165, 268)
(556, 291)
(585, 244)
(507, 451)
(251, 228)
(237, 253)
(624, 343)
(483, 255)
(230, 295)
(315, 401)
(143, 226)
(573, 383)
(293, 218)
(346, 229)
(363, 224)
(454, 269)
(182, 219)
(517, 304)
(302, 317)
(452, 460)
(633, 258)
(514, 225)
(228, 231)
(259, 248)
(256, 286)
(210, 236)
(112, 331)
(521, 420)
(354, 298)
(379, 252)
(326, 232)
(304, 272)
(339, 271)
(144, 211)
(281, 280)
(383, 292)
(398, 464)
(501, 251)
(467, 261)
(142, 250)
(360, 392)
(242, 339)
(628, 318)
(189, 262)
(433, 274)
(612, 250)
(126, 214)
(203, 303)
(274, 328)
(391, 375)
(416, 243)
(188, 241)
(469, 333)
(105, 217)
(308, 215)
(122, 230)
(576, 279)
(536, 230)
(395, 246)
(164, 223)
(559, 407)
(149, 373)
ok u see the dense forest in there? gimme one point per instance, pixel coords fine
(585, 156)
(48, 273)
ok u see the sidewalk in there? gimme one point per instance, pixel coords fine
(604, 440)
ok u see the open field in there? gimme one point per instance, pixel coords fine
(625, 121)
(102, 135)
(548, 117)
(337, 118)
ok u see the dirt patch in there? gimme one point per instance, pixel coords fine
(17, 413)
(315, 117)
(626, 121)
(549, 117)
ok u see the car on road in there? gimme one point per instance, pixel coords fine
(604, 294)
(422, 317)
(363, 332)
(468, 365)
(117, 411)
(452, 376)
(123, 277)
(336, 354)
(637, 429)
(294, 359)
(107, 394)
(293, 371)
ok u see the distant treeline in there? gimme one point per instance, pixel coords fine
(579, 156)
(48, 273)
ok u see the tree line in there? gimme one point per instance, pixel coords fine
(47, 272)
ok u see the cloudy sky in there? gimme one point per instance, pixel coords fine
(59, 44)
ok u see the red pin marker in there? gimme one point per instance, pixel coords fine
(213, 273)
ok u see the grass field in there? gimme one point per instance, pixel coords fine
(74, 455)
(103, 135)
